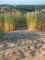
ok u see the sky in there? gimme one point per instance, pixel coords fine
(23, 2)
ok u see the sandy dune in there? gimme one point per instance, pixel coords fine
(23, 45)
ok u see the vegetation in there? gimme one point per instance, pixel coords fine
(36, 20)
(23, 8)
(41, 20)
(1, 33)
(32, 20)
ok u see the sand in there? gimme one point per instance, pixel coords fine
(23, 45)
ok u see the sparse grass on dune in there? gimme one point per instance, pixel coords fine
(33, 20)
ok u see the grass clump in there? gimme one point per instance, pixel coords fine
(1, 33)
(31, 19)
(35, 20)
(41, 21)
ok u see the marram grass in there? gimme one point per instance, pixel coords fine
(33, 20)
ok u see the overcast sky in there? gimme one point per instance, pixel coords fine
(24, 2)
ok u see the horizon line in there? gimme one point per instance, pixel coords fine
(22, 4)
